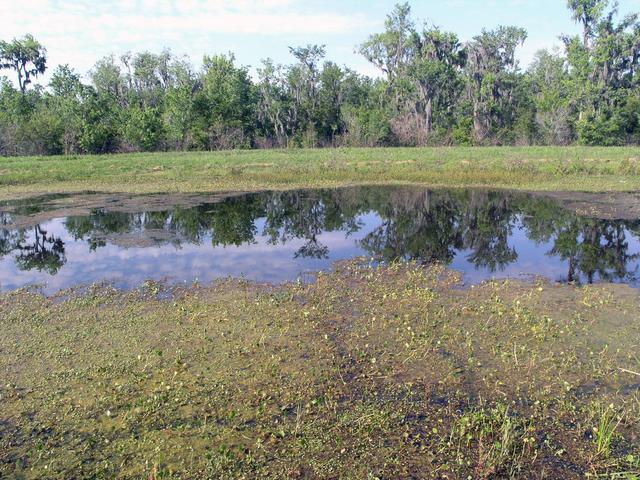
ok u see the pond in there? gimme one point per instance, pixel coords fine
(61, 241)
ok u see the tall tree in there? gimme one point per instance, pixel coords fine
(107, 78)
(303, 81)
(436, 73)
(551, 89)
(179, 104)
(588, 13)
(392, 50)
(226, 103)
(66, 103)
(603, 67)
(26, 56)
(273, 102)
(492, 75)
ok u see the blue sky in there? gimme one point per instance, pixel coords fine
(79, 32)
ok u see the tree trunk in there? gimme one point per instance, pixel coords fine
(21, 83)
(477, 124)
(428, 117)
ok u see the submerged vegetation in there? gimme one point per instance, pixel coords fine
(368, 373)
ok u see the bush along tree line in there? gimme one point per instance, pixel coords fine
(433, 89)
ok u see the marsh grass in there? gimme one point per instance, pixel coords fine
(527, 168)
(497, 439)
(608, 422)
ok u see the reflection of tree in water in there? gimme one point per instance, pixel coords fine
(414, 224)
(431, 226)
(420, 226)
(594, 249)
(232, 222)
(43, 252)
(305, 215)
(8, 238)
(487, 223)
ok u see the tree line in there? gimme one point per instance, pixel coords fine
(433, 89)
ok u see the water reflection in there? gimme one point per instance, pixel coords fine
(275, 236)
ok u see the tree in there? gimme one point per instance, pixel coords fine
(588, 13)
(603, 76)
(66, 104)
(422, 70)
(179, 104)
(150, 78)
(144, 129)
(328, 119)
(107, 78)
(492, 72)
(303, 83)
(100, 122)
(273, 102)
(549, 77)
(432, 89)
(436, 73)
(226, 103)
(392, 50)
(65, 82)
(26, 56)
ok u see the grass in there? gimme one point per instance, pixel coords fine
(369, 373)
(528, 168)
(607, 425)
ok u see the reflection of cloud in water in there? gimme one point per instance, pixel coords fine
(128, 267)
(265, 237)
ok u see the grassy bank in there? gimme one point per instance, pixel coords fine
(531, 168)
(386, 373)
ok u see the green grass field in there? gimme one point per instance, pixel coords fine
(528, 168)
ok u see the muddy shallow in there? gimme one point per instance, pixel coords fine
(59, 241)
(366, 373)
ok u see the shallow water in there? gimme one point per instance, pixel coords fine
(61, 241)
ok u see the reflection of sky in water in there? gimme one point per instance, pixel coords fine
(533, 260)
(128, 267)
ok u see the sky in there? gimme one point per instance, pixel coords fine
(79, 32)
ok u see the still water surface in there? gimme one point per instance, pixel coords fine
(58, 242)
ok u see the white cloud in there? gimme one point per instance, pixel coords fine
(79, 32)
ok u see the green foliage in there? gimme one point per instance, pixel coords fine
(608, 421)
(179, 115)
(144, 128)
(550, 88)
(598, 130)
(26, 56)
(462, 133)
(500, 439)
(433, 90)
(99, 124)
(368, 126)
(42, 132)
